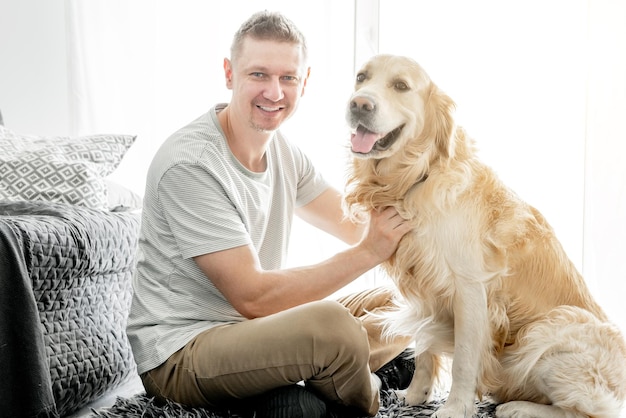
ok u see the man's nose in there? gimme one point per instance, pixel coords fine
(273, 90)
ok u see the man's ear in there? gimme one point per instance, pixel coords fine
(308, 73)
(228, 73)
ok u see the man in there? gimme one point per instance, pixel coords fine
(215, 317)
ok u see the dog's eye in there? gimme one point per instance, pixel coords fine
(360, 77)
(400, 86)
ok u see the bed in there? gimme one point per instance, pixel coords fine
(67, 255)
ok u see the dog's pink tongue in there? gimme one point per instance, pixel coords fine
(363, 140)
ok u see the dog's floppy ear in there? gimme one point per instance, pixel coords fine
(439, 120)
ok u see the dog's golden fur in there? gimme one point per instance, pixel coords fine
(482, 276)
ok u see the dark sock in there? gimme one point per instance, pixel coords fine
(288, 402)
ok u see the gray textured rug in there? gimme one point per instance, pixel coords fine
(140, 406)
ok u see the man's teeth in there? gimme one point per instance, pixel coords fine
(269, 109)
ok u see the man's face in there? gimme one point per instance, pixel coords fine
(267, 79)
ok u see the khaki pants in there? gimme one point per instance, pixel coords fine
(330, 345)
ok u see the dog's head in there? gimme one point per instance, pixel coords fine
(395, 106)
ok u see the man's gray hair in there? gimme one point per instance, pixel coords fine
(268, 26)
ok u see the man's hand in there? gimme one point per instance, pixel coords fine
(382, 236)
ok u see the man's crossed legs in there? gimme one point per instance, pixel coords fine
(331, 346)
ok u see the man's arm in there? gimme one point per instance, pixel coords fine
(255, 292)
(325, 213)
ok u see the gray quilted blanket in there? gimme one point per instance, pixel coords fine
(65, 292)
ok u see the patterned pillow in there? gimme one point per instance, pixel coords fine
(59, 169)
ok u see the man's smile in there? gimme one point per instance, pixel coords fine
(270, 108)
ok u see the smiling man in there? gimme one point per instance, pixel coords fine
(215, 317)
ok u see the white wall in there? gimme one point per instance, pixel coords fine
(33, 66)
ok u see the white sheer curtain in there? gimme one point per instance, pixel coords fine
(519, 86)
(605, 172)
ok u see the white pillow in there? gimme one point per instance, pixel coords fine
(122, 198)
(59, 169)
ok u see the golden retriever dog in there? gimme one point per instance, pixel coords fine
(481, 278)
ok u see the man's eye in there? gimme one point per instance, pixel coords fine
(290, 78)
(257, 75)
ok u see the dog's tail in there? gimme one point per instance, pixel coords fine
(568, 358)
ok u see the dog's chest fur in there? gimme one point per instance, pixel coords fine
(440, 253)
(462, 216)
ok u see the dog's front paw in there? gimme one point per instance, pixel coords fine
(420, 389)
(452, 409)
(411, 399)
(416, 396)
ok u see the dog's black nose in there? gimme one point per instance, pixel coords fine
(362, 104)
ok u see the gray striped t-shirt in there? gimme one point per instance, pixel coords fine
(199, 199)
